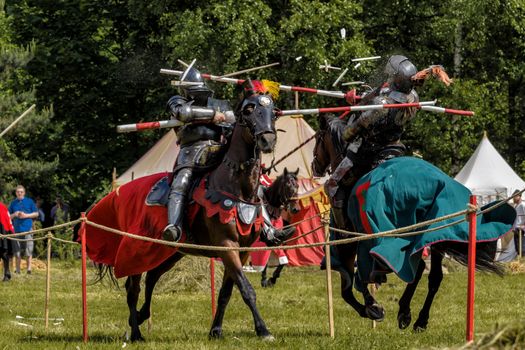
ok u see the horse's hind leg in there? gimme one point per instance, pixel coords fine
(152, 277)
(434, 281)
(404, 316)
(133, 291)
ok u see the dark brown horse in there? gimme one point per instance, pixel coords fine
(235, 180)
(328, 152)
(279, 196)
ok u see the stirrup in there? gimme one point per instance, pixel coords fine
(172, 233)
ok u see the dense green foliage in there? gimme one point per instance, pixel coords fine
(295, 310)
(97, 64)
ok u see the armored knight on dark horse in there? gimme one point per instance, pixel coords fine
(203, 140)
(374, 136)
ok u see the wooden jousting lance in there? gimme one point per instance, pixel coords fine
(426, 106)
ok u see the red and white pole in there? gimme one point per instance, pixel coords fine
(471, 269)
(84, 283)
(353, 108)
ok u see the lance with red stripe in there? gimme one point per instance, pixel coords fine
(426, 106)
(350, 95)
(161, 124)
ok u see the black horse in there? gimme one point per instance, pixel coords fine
(234, 181)
(328, 153)
(279, 196)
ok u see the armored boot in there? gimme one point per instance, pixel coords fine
(271, 235)
(176, 205)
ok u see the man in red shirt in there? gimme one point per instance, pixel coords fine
(6, 251)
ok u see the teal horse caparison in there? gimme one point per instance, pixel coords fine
(404, 191)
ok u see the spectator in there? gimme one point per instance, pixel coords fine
(41, 215)
(6, 250)
(60, 211)
(519, 223)
(22, 211)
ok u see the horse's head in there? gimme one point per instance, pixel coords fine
(329, 147)
(256, 113)
(283, 191)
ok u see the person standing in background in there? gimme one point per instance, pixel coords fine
(6, 250)
(22, 211)
(519, 223)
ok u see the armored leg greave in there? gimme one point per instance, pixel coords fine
(271, 235)
(176, 204)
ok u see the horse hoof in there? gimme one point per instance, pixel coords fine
(268, 338)
(136, 337)
(265, 283)
(215, 333)
(419, 328)
(403, 320)
(375, 312)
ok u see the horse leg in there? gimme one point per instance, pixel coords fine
(404, 316)
(347, 253)
(222, 301)
(276, 274)
(133, 291)
(233, 267)
(434, 281)
(264, 279)
(152, 277)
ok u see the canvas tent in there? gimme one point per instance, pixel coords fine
(159, 158)
(294, 130)
(488, 175)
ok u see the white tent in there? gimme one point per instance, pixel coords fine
(296, 131)
(488, 175)
(161, 157)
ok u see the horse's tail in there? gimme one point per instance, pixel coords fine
(105, 271)
(485, 253)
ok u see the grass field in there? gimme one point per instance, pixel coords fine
(295, 311)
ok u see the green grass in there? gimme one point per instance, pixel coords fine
(295, 310)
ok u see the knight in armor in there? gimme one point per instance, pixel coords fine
(374, 136)
(201, 139)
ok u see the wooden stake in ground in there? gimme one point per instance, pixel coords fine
(48, 279)
(329, 283)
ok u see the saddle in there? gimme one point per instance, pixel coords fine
(215, 202)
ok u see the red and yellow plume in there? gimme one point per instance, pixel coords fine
(263, 87)
(435, 71)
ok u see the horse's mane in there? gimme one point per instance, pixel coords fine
(336, 127)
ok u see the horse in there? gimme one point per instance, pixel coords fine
(378, 202)
(217, 220)
(279, 196)
(329, 151)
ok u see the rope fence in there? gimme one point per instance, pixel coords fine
(399, 232)
(468, 214)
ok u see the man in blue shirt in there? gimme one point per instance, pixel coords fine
(22, 211)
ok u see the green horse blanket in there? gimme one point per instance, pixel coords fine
(404, 191)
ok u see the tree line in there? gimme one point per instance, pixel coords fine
(91, 65)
